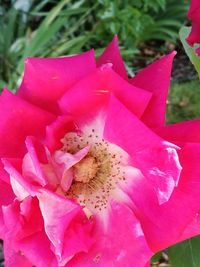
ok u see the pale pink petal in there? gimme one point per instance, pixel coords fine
(24, 119)
(155, 78)
(120, 243)
(157, 159)
(46, 79)
(21, 186)
(92, 94)
(112, 55)
(63, 161)
(58, 213)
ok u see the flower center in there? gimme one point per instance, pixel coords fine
(85, 170)
(96, 176)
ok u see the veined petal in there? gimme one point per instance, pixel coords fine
(46, 79)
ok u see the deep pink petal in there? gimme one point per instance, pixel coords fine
(156, 79)
(13, 258)
(156, 158)
(6, 197)
(118, 242)
(57, 130)
(194, 16)
(112, 55)
(179, 213)
(24, 119)
(95, 91)
(46, 79)
(188, 131)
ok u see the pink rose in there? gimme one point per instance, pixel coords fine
(194, 16)
(90, 173)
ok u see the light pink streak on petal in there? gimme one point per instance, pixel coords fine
(64, 161)
(46, 79)
(95, 91)
(20, 185)
(121, 243)
(58, 213)
(155, 78)
(179, 213)
(24, 119)
(56, 131)
(112, 55)
(158, 160)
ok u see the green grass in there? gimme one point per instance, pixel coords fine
(183, 102)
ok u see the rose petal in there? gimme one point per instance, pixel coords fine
(112, 55)
(156, 79)
(156, 158)
(46, 79)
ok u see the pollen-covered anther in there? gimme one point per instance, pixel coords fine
(85, 170)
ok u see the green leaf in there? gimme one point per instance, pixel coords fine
(185, 254)
(184, 32)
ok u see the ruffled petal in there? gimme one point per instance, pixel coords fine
(180, 213)
(60, 217)
(112, 55)
(155, 78)
(157, 159)
(25, 232)
(24, 119)
(46, 79)
(119, 243)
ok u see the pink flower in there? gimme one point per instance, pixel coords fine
(90, 174)
(194, 16)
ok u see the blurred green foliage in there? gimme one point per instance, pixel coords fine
(53, 28)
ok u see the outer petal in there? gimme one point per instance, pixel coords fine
(95, 90)
(24, 119)
(112, 55)
(156, 158)
(120, 243)
(46, 79)
(188, 131)
(180, 214)
(156, 79)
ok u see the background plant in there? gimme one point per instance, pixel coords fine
(54, 28)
